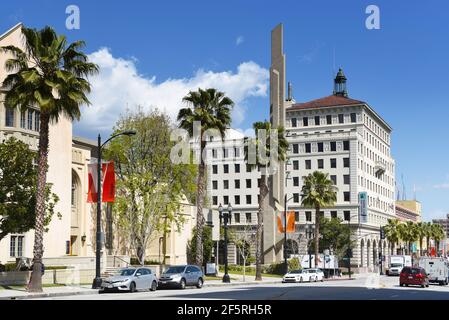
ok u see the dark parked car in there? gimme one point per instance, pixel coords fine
(413, 276)
(182, 276)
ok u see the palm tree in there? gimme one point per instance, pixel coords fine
(263, 151)
(429, 234)
(392, 233)
(212, 109)
(52, 75)
(421, 231)
(410, 234)
(318, 192)
(438, 234)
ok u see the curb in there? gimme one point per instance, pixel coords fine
(240, 283)
(48, 295)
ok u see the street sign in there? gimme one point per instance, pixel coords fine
(363, 207)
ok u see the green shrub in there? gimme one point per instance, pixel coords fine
(10, 267)
(57, 267)
(135, 262)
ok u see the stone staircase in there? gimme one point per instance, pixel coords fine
(110, 271)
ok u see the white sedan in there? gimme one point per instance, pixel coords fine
(315, 274)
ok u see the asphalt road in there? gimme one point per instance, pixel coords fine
(371, 287)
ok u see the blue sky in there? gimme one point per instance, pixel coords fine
(149, 49)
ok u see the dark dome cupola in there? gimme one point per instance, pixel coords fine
(340, 84)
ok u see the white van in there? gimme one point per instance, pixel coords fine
(437, 269)
(397, 263)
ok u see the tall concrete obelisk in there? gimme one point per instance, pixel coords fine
(273, 240)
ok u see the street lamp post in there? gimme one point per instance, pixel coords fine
(96, 284)
(225, 216)
(309, 237)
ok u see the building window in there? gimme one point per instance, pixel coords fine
(333, 163)
(333, 214)
(308, 164)
(237, 168)
(237, 199)
(296, 181)
(248, 183)
(347, 215)
(237, 153)
(346, 179)
(295, 165)
(22, 120)
(295, 148)
(334, 179)
(214, 200)
(329, 119)
(309, 216)
(296, 197)
(347, 196)
(237, 217)
(225, 199)
(214, 184)
(237, 184)
(305, 121)
(9, 117)
(308, 148)
(353, 117)
(225, 153)
(317, 120)
(320, 163)
(294, 123)
(214, 153)
(226, 168)
(248, 168)
(16, 246)
(296, 216)
(333, 146)
(320, 147)
(214, 169)
(346, 162)
(341, 118)
(346, 145)
(248, 199)
(248, 217)
(225, 184)
(30, 120)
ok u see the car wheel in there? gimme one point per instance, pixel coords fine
(132, 287)
(423, 285)
(406, 285)
(316, 279)
(300, 280)
(153, 286)
(199, 284)
(182, 284)
(401, 284)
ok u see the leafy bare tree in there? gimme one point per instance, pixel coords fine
(244, 240)
(150, 186)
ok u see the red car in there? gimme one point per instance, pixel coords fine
(413, 276)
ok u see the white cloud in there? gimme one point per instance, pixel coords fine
(120, 86)
(239, 40)
(441, 186)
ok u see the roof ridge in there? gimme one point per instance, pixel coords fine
(8, 32)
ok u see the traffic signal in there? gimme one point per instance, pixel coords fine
(349, 253)
(382, 233)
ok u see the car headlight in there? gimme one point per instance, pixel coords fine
(176, 278)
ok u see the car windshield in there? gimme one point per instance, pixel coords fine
(395, 265)
(127, 272)
(175, 269)
(296, 272)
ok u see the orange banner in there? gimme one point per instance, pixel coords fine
(290, 222)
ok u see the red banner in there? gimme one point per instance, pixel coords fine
(108, 182)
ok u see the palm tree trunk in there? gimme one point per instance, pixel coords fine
(427, 245)
(317, 235)
(199, 213)
(35, 284)
(420, 246)
(263, 206)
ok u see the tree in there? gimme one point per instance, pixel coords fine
(212, 109)
(244, 240)
(150, 187)
(335, 236)
(258, 153)
(318, 192)
(429, 232)
(50, 74)
(18, 181)
(392, 233)
(409, 234)
(421, 232)
(207, 245)
(438, 234)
